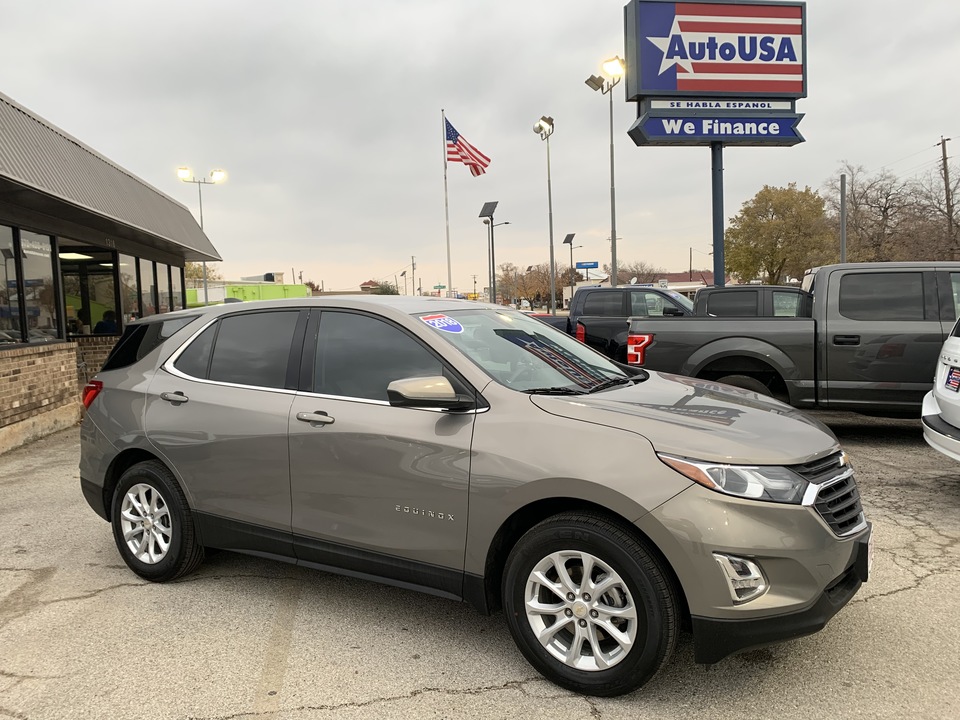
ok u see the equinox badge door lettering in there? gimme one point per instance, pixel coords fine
(423, 513)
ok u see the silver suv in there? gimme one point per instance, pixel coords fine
(475, 453)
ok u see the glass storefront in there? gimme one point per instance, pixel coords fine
(98, 290)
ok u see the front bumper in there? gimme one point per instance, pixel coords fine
(714, 639)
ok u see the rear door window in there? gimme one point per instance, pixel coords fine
(736, 303)
(786, 304)
(608, 304)
(882, 296)
(254, 348)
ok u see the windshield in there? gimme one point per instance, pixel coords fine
(524, 353)
(681, 300)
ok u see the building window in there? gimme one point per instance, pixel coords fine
(163, 287)
(129, 296)
(39, 289)
(9, 306)
(148, 289)
(176, 288)
(89, 288)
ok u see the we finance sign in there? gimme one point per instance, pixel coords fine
(744, 49)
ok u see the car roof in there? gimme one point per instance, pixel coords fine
(404, 304)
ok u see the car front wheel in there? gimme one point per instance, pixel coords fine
(152, 524)
(589, 605)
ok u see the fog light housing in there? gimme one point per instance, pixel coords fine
(745, 579)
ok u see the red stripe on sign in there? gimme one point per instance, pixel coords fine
(761, 11)
(717, 27)
(747, 68)
(786, 86)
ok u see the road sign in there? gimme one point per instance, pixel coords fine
(658, 127)
(587, 265)
(439, 287)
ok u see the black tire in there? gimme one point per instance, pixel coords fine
(747, 383)
(648, 589)
(183, 553)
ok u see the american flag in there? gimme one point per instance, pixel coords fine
(459, 150)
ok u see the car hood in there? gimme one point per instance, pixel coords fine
(702, 419)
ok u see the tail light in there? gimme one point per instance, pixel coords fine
(90, 392)
(581, 333)
(637, 347)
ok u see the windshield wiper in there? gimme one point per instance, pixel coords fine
(553, 391)
(613, 382)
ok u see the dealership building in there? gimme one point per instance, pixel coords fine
(86, 246)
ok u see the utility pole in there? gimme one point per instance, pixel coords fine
(946, 188)
(474, 287)
(413, 274)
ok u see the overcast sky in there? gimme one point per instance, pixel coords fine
(326, 115)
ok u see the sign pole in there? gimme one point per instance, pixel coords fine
(716, 176)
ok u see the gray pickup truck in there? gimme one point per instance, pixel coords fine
(870, 345)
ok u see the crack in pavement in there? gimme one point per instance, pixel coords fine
(4, 712)
(510, 685)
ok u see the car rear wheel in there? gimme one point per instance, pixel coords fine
(589, 605)
(152, 524)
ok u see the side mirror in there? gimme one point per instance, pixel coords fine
(427, 392)
(672, 311)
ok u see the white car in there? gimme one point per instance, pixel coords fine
(941, 406)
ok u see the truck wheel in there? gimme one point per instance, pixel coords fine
(589, 606)
(747, 383)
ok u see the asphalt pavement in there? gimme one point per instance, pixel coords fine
(83, 637)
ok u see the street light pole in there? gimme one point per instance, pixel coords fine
(187, 176)
(568, 240)
(544, 128)
(615, 69)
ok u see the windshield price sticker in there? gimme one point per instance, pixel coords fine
(443, 322)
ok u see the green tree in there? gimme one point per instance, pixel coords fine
(777, 234)
(384, 288)
(194, 271)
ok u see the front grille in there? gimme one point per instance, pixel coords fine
(820, 470)
(839, 505)
(838, 500)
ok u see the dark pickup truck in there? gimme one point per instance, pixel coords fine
(607, 311)
(870, 345)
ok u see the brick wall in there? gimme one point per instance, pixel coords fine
(35, 379)
(92, 352)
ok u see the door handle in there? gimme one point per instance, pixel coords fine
(319, 417)
(846, 339)
(177, 398)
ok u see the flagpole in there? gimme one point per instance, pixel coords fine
(446, 201)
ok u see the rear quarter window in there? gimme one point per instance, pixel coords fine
(139, 340)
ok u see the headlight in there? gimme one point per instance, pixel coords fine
(757, 482)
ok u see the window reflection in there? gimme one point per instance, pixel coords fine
(40, 298)
(163, 286)
(9, 307)
(176, 287)
(148, 287)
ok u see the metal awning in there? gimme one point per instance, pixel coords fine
(44, 169)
